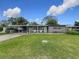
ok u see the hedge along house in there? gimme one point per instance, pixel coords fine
(36, 28)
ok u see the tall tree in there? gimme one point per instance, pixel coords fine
(21, 21)
(12, 21)
(17, 21)
(50, 20)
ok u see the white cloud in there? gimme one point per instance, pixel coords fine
(12, 12)
(67, 4)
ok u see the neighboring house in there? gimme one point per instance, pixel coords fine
(73, 28)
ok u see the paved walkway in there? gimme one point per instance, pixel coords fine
(9, 36)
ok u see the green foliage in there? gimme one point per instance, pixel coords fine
(3, 33)
(3, 23)
(72, 32)
(51, 21)
(33, 23)
(59, 46)
(1, 28)
(21, 21)
(76, 23)
(17, 21)
(12, 21)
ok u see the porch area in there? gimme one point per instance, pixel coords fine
(28, 28)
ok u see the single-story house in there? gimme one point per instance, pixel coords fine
(36, 28)
(39, 28)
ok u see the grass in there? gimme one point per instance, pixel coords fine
(60, 46)
(1, 33)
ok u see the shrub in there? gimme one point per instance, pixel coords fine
(1, 28)
(72, 32)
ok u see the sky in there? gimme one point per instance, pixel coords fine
(35, 10)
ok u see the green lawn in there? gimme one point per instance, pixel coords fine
(60, 46)
(3, 33)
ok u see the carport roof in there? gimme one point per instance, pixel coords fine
(27, 25)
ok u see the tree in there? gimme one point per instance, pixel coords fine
(12, 21)
(76, 23)
(21, 21)
(51, 21)
(17, 21)
(3, 23)
(33, 23)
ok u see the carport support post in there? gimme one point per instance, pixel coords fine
(37, 29)
(4, 29)
(18, 29)
(28, 29)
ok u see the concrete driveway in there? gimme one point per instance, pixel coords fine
(9, 36)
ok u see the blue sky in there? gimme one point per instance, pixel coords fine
(34, 10)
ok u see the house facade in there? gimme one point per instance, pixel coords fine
(39, 29)
(28, 28)
(36, 29)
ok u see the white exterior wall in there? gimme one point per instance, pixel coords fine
(45, 29)
(50, 29)
(56, 29)
(4, 29)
